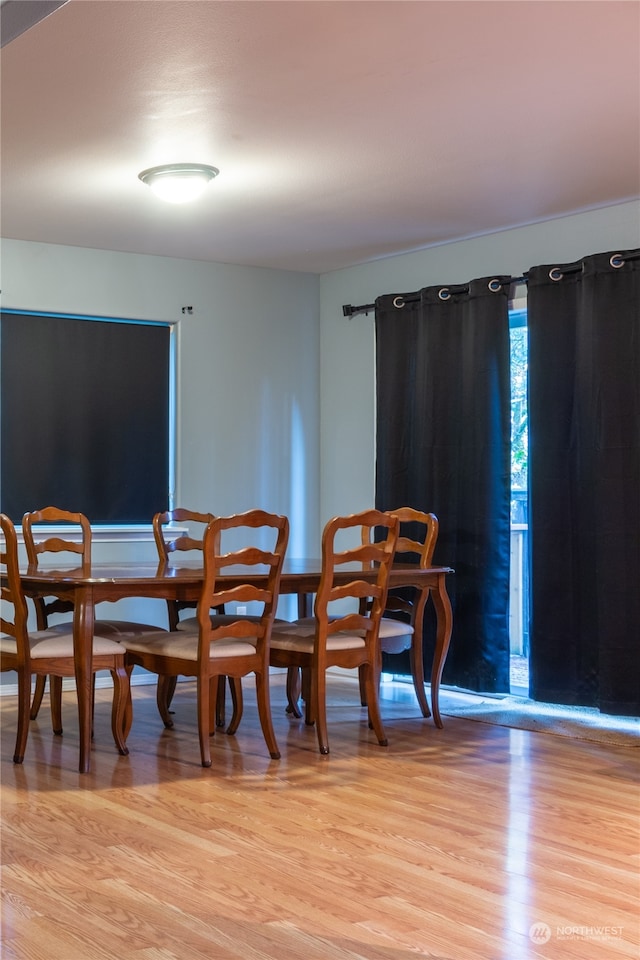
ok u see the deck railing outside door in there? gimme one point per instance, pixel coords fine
(519, 579)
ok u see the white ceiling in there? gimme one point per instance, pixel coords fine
(343, 131)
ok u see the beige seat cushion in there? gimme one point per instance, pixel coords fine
(184, 644)
(395, 636)
(300, 634)
(47, 643)
(394, 628)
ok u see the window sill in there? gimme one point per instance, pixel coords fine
(118, 533)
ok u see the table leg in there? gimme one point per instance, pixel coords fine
(444, 627)
(83, 620)
(305, 605)
(294, 678)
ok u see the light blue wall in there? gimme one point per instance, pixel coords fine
(248, 369)
(347, 379)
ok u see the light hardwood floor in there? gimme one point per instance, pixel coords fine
(449, 843)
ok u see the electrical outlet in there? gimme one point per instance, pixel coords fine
(241, 611)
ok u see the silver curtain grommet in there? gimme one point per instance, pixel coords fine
(494, 285)
(555, 274)
(444, 293)
(398, 302)
(616, 261)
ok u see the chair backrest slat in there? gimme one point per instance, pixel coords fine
(39, 542)
(417, 537)
(368, 554)
(254, 525)
(167, 544)
(424, 529)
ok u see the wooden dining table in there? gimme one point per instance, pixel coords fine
(88, 586)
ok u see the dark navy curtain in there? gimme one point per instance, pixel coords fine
(443, 445)
(584, 482)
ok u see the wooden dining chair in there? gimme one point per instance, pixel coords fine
(239, 645)
(49, 653)
(174, 544)
(401, 625)
(334, 637)
(171, 543)
(76, 543)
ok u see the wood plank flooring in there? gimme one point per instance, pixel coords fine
(475, 842)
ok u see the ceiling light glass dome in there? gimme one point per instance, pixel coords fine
(179, 182)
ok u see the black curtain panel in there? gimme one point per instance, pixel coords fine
(584, 482)
(443, 445)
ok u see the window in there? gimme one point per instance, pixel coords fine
(519, 413)
(519, 578)
(85, 416)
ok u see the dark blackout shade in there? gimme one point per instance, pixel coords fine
(84, 417)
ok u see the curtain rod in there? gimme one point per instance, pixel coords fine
(616, 260)
(349, 311)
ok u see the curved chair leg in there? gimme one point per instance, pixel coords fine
(417, 672)
(168, 687)
(128, 707)
(24, 696)
(38, 694)
(293, 691)
(373, 704)
(119, 707)
(235, 684)
(221, 701)
(443, 637)
(55, 696)
(207, 695)
(310, 711)
(171, 683)
(317, 708)
(264, 712)
(361, 683)
(164, 692)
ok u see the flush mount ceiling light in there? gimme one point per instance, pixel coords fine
(178, 182)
